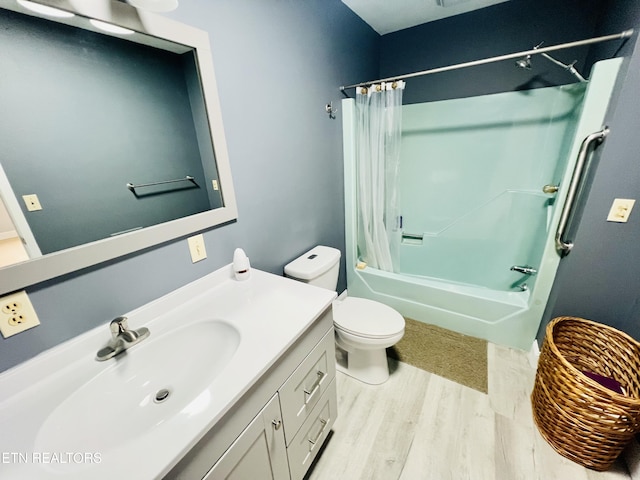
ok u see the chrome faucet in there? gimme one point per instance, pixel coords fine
(526, 269)
(121, 338)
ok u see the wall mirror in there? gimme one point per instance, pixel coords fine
(111, 133)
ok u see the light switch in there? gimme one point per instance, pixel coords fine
(215, 184)
(196, 247)
(32, 202)
(620, 210)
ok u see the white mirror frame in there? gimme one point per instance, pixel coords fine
(52, 265)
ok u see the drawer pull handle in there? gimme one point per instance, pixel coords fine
(314, 387)
(324, 425)
(277, 424)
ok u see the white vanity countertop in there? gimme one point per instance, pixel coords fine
(269, 312)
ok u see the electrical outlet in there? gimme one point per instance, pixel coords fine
(620, 210)
(196, 247)
(16, 314)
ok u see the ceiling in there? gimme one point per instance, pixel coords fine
(386, 16)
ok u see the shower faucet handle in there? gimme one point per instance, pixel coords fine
(525, 269)
(550, 188)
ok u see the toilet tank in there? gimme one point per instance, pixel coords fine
(319, 267)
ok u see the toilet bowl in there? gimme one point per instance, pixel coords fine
(364, 328)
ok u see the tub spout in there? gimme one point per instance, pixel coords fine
(526, 269)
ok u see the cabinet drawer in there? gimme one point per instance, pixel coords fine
(302, 390)
(306, 444)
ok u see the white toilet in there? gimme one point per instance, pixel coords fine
(364, 328)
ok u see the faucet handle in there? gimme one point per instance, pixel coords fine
(525, 269)
(118, 326)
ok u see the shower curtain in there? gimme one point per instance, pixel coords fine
(378, 128)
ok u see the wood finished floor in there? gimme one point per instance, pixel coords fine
(418, 426)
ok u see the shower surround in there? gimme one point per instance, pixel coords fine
(472, 173)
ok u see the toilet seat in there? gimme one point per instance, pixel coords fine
(367, 318)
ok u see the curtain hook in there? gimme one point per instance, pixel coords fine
(330, 110)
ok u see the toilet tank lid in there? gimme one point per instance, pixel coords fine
(312, 264)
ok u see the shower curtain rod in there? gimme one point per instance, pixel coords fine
(533, 51)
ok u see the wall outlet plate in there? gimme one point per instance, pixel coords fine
(620, 210)
(32, 202)
(16, 314)
(196, 247)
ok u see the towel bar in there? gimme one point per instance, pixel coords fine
(188, 178)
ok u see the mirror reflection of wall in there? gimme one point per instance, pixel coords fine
(11, 248)
(83, 115)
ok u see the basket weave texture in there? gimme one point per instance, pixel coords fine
(580, 418)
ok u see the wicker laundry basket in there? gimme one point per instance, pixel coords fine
(582, 419)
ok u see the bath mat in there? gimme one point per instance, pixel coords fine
(458, 357)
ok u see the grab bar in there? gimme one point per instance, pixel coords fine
(188, 178)
(563, 246)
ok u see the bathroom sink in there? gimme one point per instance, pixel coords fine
(160, 379)
(138, 414)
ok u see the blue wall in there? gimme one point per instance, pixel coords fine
(277, 64)
(600, 279)
(508, 27)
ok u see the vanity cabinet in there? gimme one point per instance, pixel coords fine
(259, 452)
(249, 369)
(296, 405)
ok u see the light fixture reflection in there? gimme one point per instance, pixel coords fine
(45, 10)
(111, 28)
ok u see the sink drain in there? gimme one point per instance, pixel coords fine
(161, 395)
